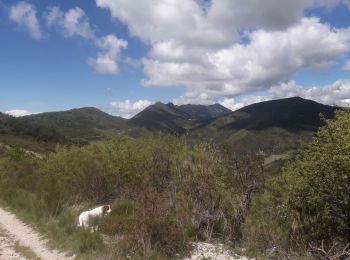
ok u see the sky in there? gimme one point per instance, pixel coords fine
(124, 55)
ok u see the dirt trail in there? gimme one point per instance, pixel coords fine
(8, 247)
(16, 230)
(204, 250)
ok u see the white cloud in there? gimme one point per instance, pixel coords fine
(155, 21)
(75, 22)
(19, 112)
(194, 98)
(267, 14)
(106, 61)
(213, 24)
(270, 57)
(334, 94)
(337, 94)
(201, 48)
(232, 104)
(127, 108)
(24, 14)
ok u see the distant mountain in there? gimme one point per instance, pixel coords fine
(87, 122)
(20, 127)
(204, 112)
(272, 126)
(76, 125)
(177, 119)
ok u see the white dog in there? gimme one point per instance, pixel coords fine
(93, 217)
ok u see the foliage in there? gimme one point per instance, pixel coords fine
(305, 209)
(318, 180)
(165, 191)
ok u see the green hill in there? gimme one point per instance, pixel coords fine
(272, 126)
(84, 123)
(77, 126)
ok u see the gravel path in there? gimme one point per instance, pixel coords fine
(204, 250)
(8, 247)
(14, 231)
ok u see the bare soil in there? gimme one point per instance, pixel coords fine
(14, 235)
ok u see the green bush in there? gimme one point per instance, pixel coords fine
(308, 203)
(164, 191)
(318, 179)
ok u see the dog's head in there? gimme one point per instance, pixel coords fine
(106, 209)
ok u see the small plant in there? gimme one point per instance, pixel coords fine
(88, 242)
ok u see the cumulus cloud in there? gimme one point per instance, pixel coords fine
(24, 14)
(194, 98)
(201, 47)
(154, 21)
(334, 94)
(214, 24)
(337, 94)
(234, 104)
(75, 22)
(106, 61)
(270, 57)
(19, 112)
(127, 108)
(267, 14)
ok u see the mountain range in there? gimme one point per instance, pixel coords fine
(272, 126)
(177, 119)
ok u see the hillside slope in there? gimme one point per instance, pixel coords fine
(66, 127)
(170, 118)
(272, 126)
(86, 123)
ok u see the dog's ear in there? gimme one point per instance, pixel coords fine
(105, 209)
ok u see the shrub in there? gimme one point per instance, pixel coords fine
(157, 223)
(165, 191)
(317, 183)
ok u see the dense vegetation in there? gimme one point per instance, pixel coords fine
(307, 206)
(167, 191)
(317, 191)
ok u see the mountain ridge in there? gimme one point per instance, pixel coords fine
(274, 126)
(171, 118)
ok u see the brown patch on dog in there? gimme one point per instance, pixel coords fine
(105, 208)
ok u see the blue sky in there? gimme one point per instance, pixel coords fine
(121, 56)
